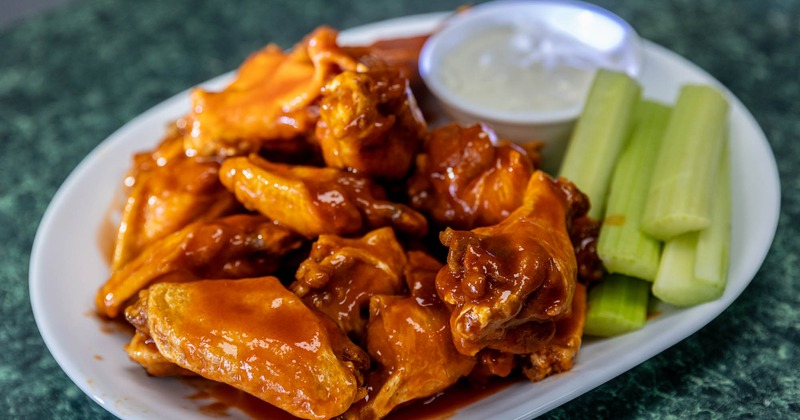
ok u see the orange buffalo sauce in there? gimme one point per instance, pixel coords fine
(219, 400)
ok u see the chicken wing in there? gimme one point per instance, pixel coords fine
(315, 201)
(409, 338)
(165, 191)
(509, 283)
(341, 275)
(231, 247)
(256, 336)
(272, 99)
(465, 178)
(370, 123)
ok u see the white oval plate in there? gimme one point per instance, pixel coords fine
(67, 264)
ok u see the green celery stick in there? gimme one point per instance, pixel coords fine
(599, 135)
(694, 266)
(685, 172)
(618, 304)
(714, 244)
(622, 246)
(675, 283)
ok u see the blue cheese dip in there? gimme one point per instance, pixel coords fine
(519, 69)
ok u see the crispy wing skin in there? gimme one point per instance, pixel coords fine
(341, 275)
(554, 356)
(509, 283)
(370, 123)
(272, 99)
(256, 336)
(464, 178)
(315, 201)
(409, 338)
(167, 190)
(231, 247)
(558, 355)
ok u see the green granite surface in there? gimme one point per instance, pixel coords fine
(69, 78)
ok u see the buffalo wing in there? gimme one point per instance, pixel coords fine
(409, 338)
(165, 191)
(465, 178)
(272, 99)
(370, 123)
(341, 275)
(509, 283)
(256, 336)
(231, 247)
(315, 201)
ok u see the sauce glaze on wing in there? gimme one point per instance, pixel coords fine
(236, 246)
(507, 284)
(466, 178)
(408, 337)
(236, 332)
(165, 191)
(342, 274)
(370, 123)
(272, 99)
(315, 201)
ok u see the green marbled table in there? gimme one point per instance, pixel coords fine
(70, 77)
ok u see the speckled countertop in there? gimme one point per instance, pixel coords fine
(70, 77)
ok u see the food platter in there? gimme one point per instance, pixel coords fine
(68, 263)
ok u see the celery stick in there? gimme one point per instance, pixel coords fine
(714, 244)
(599, 136)
(618, 304)
(694, 266)
(674, 282)
(685, 172)
(622, 246)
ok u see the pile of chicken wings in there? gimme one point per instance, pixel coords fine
(306, 237)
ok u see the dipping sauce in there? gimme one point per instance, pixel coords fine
(525, 68)
(517, 69)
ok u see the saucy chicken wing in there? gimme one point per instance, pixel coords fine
(256, 336)
(165, 191)
(272, 99)
(409, 338)
(465, 178)
(370, 123)
(509, 283)
(314, 201)
(340, 275)
(231, 247)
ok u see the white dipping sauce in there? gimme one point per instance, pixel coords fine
(516, 69)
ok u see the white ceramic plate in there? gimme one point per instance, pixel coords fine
(67, 265)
